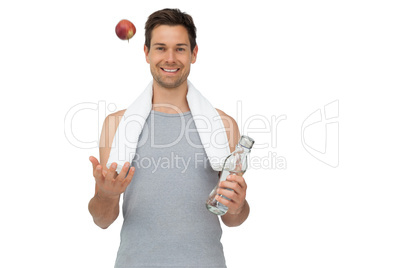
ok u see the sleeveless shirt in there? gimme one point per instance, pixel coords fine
(166, 223)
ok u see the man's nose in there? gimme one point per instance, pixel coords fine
(170, 56)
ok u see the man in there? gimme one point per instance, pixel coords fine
(166, 223)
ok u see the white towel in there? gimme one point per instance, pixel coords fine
(207, 121)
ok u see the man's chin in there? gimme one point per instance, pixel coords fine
(170, 84)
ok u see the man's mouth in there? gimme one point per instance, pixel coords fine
(170, 70)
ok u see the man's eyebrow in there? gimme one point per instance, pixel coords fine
(163, 44)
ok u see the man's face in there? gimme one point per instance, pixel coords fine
(170, 55)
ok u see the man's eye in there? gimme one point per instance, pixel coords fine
(180, 49)
(160, 48)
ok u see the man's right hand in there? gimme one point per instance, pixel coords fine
(109, 183)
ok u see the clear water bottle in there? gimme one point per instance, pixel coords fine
(235, 163)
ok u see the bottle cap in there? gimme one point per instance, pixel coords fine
(246, 141)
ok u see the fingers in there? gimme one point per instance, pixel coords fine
(99, 178)
(126, 175)
(110, 175)
(232, 195)
(108, 181)
(94, 162)
(233, 207)
(123, 172)
(233, 188)
(235, 204)
(129, 177)
(234, 182)
(224, 201)
(239, 179)
(97, 168)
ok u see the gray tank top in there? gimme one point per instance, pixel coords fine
(166, 223)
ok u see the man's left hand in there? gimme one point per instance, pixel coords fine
(237, 196)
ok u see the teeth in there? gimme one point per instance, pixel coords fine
(170, 71)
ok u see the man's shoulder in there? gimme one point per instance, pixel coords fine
(118, 113)
(116, 116)
(225, 116)
(220, 112)
(231, 127)
(226, 119)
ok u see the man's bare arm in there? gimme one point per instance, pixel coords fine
(104, 210)
(104, 206)
(238, 208)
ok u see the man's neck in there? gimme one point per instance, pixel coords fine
(170, 100)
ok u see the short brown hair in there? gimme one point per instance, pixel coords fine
(171, 17)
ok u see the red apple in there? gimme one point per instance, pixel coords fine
(125, 29)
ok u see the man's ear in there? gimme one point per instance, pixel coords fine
(194, 54)
(146, 51)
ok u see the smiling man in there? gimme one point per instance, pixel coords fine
(166, 223)
(170, 56)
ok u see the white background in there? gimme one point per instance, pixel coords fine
(277, 57)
